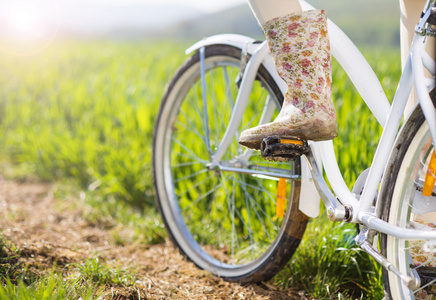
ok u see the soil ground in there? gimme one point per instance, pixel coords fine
(47, 234)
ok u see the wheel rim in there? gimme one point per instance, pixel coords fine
(406, 211)
(220, 219)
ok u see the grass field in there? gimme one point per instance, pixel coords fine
(84, 111)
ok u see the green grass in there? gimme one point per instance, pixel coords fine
(52, 287)
(328, 264)
(19, 282)
(127, 224)
(90, 279)
(358, 130)
(84, 112)
(8, 260)
(92, 270)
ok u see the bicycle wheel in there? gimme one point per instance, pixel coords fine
(224, 218)
(403, 204)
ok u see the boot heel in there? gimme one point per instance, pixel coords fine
(276, 148)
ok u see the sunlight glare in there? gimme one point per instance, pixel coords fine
(27, 26)
(25, 23)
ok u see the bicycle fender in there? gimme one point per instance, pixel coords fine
(310, 200)
(242, 42)
(235, 40)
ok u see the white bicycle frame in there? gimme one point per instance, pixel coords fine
(344, 205)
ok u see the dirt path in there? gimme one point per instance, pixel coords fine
(46, 233)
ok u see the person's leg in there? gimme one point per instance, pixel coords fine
(299, 45)
(265, 10)
(410, 14)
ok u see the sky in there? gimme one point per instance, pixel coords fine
(202, 5)
(35, 18)
(33, 24)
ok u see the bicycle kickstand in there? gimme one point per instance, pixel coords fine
(364, 240)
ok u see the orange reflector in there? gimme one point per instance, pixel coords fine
(430, 176)
(281, 198)
(285, 141)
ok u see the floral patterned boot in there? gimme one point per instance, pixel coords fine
(300, 48)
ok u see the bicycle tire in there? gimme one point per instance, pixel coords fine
(179, 185)
(402, 184)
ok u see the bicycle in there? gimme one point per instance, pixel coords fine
(241, 217)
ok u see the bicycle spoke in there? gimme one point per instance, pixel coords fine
(229, 98)
(265, 191)
(204, 99)
(255, 115)
(195, 186)
(199, 111)
(422, 214)
(253, 204)
(194, 104)
(259, 189)
(423, 287)
(234, 211)
(424, 264)
(185, 164)
(210, 91)
(260, 219)
(422, 243)
(186, 149)
(202, 197)
(194, 130)
(202, 161)
(231, 208)
(266, 215)
(228, 94)
(228, 91)
(191, 175)
(247, 207)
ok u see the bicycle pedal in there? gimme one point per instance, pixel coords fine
(276, 148)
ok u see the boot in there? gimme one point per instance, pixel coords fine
(300, 48)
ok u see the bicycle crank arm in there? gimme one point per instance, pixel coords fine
(412, 282)
(335, 210)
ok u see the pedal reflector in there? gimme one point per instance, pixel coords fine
(295, 142)
(430, 176)
(281, 198)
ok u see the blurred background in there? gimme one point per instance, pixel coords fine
(81, 83)
(366, 22)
